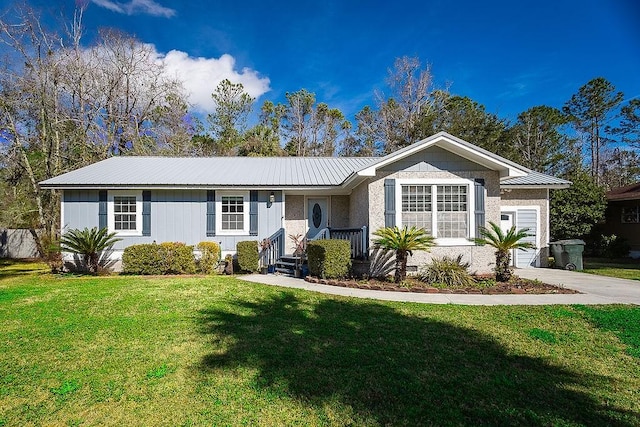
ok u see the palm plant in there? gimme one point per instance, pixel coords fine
(403, 241)
(88, 243)
(503, 242)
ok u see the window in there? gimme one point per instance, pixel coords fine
(631, 215)
(416, 206)
(452, 211)
(124, 210)
(232, 213)
(441, 208)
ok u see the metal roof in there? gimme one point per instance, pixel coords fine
(265, 171)
(534, 179)
(213, 171)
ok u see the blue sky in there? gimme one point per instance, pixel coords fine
(507, 55)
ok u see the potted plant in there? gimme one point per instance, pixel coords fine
(300, 251)
(265, 247)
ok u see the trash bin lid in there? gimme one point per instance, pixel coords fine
(573, 242)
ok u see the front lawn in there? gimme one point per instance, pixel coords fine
(625, 269)
(219, 351)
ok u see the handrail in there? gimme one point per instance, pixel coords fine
(358, 237)
(270, 255)
(323, 234)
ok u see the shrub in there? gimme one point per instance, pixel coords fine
(248, 256)
(447, 271)
(179, 258)
(329, 259)
(165, 258)
(143, 259)
(610, 246)
(89, 243)
(210, 256)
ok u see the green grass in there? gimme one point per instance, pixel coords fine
(220, 351)
(612, 268)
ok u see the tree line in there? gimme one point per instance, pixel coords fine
(64, 105)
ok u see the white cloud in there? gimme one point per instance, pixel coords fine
(200, 76)
(133, 7)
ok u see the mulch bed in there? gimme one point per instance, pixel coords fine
(517, 286)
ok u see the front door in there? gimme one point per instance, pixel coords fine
(507, 220)
(317, 215)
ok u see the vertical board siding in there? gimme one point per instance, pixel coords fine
(253, 212)
(389, 202)
(527, 218)
(177, 216)
(81, 209)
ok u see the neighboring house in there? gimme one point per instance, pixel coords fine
(623, 216)
(442, 183)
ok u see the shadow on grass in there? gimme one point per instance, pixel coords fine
(12, 268)
(396, 369)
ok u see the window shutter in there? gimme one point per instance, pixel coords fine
(211, 213)
(479, 202)
(253, 212)
(146, 213)
(102, 209)
(389, 202)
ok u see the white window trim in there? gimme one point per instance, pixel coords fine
(111, 214)
(245, 199)
(434, 223)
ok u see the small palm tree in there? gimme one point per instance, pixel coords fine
(503, 243)
(403, 241)
(88, 243)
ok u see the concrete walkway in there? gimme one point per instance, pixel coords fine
(595, 290)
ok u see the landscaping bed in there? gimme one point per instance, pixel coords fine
(485, 286)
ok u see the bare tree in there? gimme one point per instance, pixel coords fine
(409, 102)
(64, 105)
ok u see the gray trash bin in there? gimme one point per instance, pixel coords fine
(567, 254)
(560, 258)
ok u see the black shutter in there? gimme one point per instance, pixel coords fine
(211, 213)
(102, 209)
(389, 202)
(479, 202)
(253, 212)
(146, 213)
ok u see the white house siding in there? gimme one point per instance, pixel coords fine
(528, 203)
(482, 258)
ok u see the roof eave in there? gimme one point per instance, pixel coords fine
(536, 186)
(449, 143)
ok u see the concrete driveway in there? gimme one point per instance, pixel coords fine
(604, 290)
(595, 290)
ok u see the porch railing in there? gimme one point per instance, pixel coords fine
(272, 253)
(358, 237)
